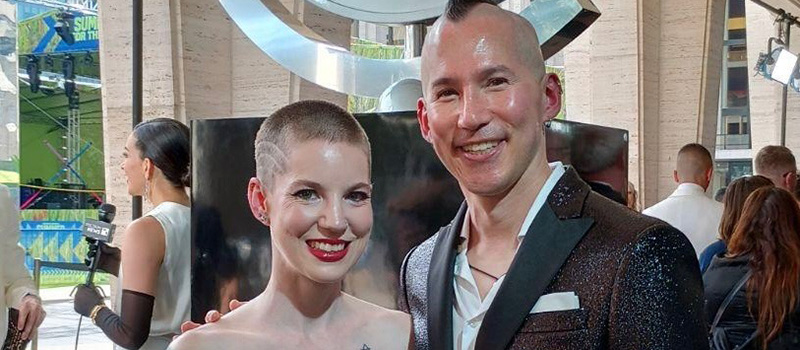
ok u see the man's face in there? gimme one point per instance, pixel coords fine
(484, 106)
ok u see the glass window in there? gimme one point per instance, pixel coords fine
(736, 8)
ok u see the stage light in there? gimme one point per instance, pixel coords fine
(74, 100)
(785, 65)
(68, 67)
(88, 59)
(48, 63)
(32, 69)
(779, 64)
(64, 26)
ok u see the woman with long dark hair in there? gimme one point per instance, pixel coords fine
(752, 292)
(733, 203)
(155, 258)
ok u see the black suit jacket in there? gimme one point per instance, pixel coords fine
(636, 277)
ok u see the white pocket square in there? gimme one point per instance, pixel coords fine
(556, 302)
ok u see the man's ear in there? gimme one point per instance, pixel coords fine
(675, 176)
(552, 93)
(257, 199)
(422, 117)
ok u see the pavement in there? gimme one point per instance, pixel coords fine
(60, 327)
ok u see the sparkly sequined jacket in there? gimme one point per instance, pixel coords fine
(637, 280)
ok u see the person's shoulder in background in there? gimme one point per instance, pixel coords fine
(708, 254)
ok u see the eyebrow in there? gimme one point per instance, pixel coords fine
(482, 75)
(492, 70)
(359, 185)
(313, 184)
(442, 81)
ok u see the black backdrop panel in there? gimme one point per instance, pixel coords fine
(413, 197)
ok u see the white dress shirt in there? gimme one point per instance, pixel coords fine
(15, 282)
(468, 308)
(689, 210)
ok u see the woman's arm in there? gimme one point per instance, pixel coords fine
(142, 255)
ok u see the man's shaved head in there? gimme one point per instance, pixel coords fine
(694, 165)
(512, 26)
(486, 97)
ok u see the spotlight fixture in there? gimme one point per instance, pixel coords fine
(785, 65)
(88, 59)
(74, 99)
(32, 69)
(779, 64)
(64, 26)
(68, 67)
(48, 63)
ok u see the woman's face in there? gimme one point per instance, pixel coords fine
(133, 167)
(319, 210)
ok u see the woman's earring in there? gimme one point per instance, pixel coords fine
(263, 218)
(147, 190)
(545, 126)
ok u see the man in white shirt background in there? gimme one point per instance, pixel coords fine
(688, 208)
(16, 286)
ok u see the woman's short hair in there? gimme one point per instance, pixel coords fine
(301, 122)
(166, 143)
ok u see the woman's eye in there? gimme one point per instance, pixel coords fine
(357, 196)
(306, 195)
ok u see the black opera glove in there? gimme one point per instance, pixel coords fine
(86, 298)
(110, 257)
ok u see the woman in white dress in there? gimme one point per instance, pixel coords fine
(155, 259)
(312, 188)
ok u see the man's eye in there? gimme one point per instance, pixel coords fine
(305, 194)
(497, 81)
(445, 93)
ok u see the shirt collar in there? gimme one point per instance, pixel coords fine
(688, 188)
(556, 171)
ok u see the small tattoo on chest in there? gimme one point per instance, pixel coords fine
(365, 347)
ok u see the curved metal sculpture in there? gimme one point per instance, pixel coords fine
(298, 49)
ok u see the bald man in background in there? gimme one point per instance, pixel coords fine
(688, 208)
(778, 164)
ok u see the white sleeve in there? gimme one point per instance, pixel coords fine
(15, 278)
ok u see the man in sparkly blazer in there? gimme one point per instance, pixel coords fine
(533, 259)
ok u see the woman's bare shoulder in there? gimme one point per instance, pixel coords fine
(209, 336)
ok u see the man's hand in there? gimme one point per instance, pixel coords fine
(211, 317)
(31, 315)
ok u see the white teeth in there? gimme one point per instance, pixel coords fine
(481, 148)
(327, 247)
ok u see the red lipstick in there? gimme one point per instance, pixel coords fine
(328, 250)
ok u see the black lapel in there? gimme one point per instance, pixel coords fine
(440, 284)
(548, 243)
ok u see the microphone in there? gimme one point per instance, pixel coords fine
(96, 232)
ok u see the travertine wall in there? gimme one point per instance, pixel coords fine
(651, 67)
(197, 64)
